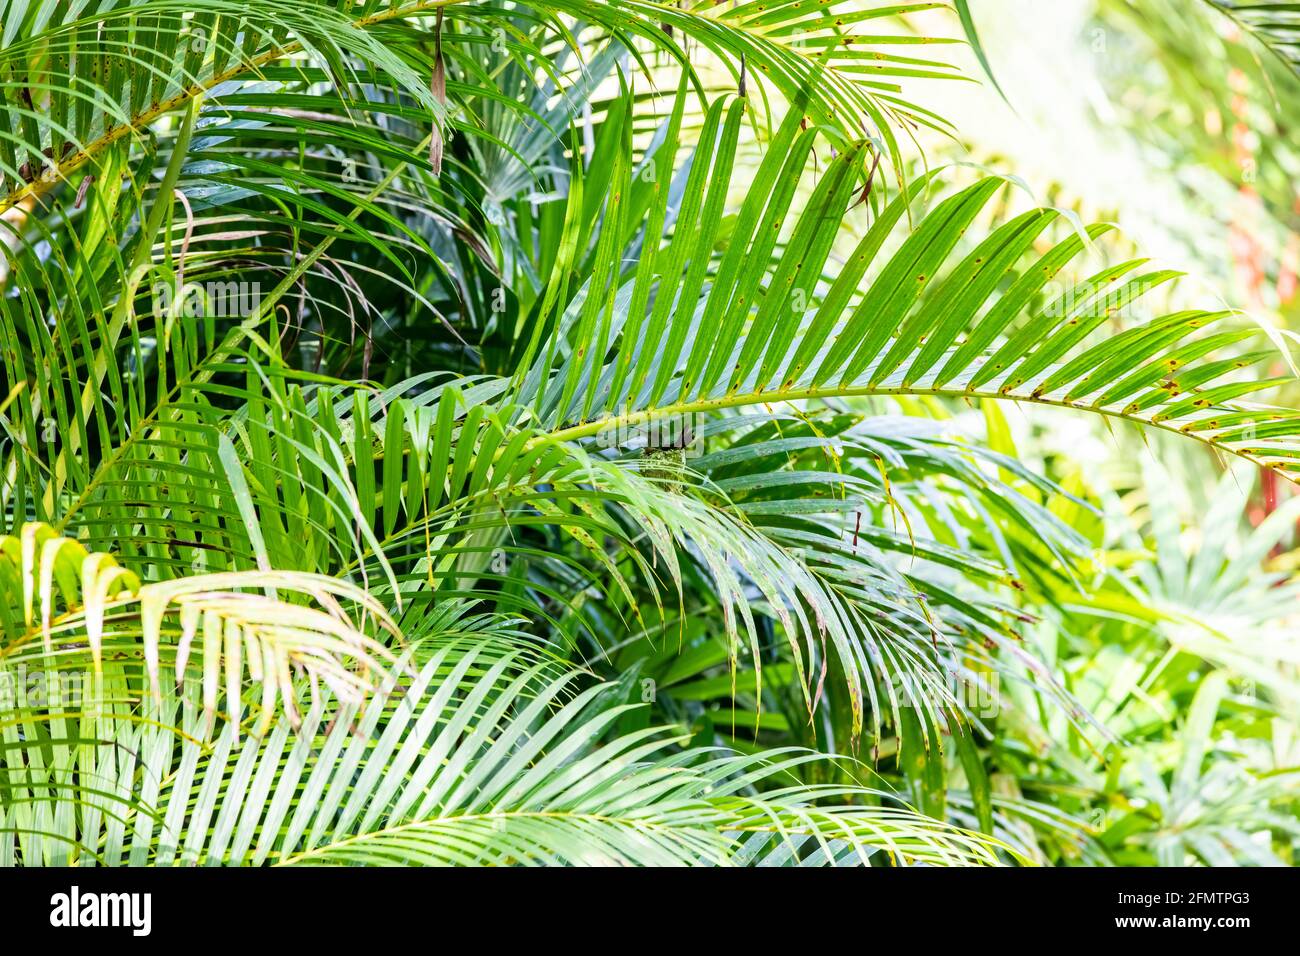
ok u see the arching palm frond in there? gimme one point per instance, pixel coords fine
(490, 753)
(684, 334)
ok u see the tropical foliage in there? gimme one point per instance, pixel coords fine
(495, 433)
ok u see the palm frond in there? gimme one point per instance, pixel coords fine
(60, 599)
(486, 755)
